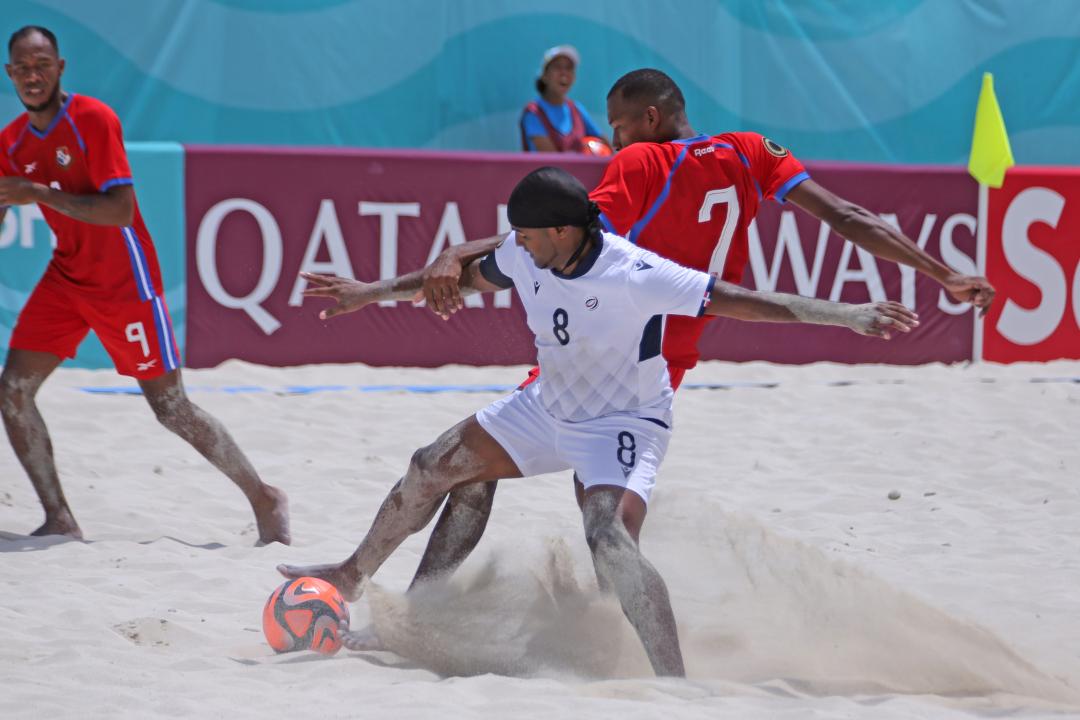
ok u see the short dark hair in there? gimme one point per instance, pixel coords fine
(541, 86)
(650, 87)
(28, 30)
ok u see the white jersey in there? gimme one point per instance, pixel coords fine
(599, 329)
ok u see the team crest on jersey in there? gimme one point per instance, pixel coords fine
(63, 157)
(774, 148)
(591, 302)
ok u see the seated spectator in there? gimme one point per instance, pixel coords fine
(553, 122)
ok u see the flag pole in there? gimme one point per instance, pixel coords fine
(980, 269)
(990, 157)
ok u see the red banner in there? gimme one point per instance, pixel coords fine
(1033, 258)
(258, 216)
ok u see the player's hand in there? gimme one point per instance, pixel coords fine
(351, 295)
(441, 291)
(17, 191)
(971, 288)
(881, 319)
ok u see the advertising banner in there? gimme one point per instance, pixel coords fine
(1033, 257)
(260, 216)
(257, 217)
(791, 251)
(26, 245)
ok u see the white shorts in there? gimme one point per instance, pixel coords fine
(618, 449)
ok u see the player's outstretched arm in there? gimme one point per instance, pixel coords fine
(873, 234)
(879, 319)
(115, 206)
(441, 278)
(352, 295)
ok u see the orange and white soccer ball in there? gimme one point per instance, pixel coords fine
(592, 145)
(305, 614)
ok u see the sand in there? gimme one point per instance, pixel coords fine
(801, 589)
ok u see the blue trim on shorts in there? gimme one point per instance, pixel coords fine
(138, 264)
(165, 346)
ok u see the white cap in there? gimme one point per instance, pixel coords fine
(568, 51)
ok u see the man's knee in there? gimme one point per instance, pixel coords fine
(14, 396)
(171, 411)
(427, 478)
(477, 497)
(606, 534)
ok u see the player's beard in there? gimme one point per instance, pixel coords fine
(53, 96)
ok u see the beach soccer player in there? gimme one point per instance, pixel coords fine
(602, 405)
(688, 197)
(66, 153)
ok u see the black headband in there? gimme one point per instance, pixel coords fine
(550, 197)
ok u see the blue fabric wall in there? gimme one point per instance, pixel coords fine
(887, 81)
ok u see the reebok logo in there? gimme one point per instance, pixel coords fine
(642, 265)
(30, 167)
(536, 287)
(704, 151)
(144, 366)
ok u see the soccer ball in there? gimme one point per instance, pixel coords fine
(591, 145)
(305, 614)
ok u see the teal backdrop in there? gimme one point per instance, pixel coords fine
(26, 245)
(891, 81)
(869, 80)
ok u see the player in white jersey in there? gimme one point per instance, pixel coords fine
(602, 406)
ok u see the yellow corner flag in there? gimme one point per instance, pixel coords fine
(991, 155)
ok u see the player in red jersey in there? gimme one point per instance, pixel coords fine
(686, 196)
(66, 153)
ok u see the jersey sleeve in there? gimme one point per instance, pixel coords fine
(623, 190)
(106, 158)
(661, 287)
(497, 266)
(774, 169)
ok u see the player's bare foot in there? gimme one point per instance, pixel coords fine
(343, 576)
(362, 640)
(61, 524)
(272, 517)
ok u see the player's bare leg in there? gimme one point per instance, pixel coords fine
(465, 453)
(456, 534)
(23, 374)
(457, 531)
(176, 412)
(613, 517)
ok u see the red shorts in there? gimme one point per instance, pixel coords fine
(676, 375)
(138, 335)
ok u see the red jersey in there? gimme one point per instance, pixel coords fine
(692, 201)
(82, 152)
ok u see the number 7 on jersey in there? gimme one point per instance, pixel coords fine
(724, 196)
